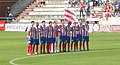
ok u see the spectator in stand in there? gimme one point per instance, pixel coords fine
(81, 6)
(99, 2)
(107, 10)
(8, 12)
(42, 3)
(93, 14)
(119, 7)
(73, 2)
(87, 10)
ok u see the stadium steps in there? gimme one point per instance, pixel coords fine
(19, 6)
(27, 10)
(49, 5)
(53, 10)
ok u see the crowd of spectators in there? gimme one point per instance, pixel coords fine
(108, 7)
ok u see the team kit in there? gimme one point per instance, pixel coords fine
(57, 38)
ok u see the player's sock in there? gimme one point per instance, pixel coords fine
(47, 48)
(74, 46)
(65, 47)
(71, 46)
(87, 44)
(77, 46)
(41, 48)
(44, 48)
(68, 47)
(84, 45)
(36, 48)
(80, 45)
(33, 48)
(28, 49)
(53, 48)
(50, 47)
(60, 46)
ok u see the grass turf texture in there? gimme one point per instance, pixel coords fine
(106, 47)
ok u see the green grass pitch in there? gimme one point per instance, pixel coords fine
(104, 50)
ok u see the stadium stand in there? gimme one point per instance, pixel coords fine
(53, 9)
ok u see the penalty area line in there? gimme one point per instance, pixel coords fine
(12, 62)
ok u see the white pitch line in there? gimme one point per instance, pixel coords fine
(12, 62)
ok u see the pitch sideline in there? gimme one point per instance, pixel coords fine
(12, 62)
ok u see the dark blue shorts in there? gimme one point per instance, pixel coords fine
(62, 38)
(53, 40)
(85, 38)
(74, 39)
(79, 37)
(68, 39)
(43, 40)
(36, 42)
(30, 41)
(49, 40)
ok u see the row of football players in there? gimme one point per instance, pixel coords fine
(49, 35)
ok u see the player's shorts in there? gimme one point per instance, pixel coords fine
(79, 37)
(56, 39)
(49, 40)
(68, 39)
(36, 42)
(85, 38)
(53, 40)
(62, 38)
(30, 41)
(74, 39)
(43, 40)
